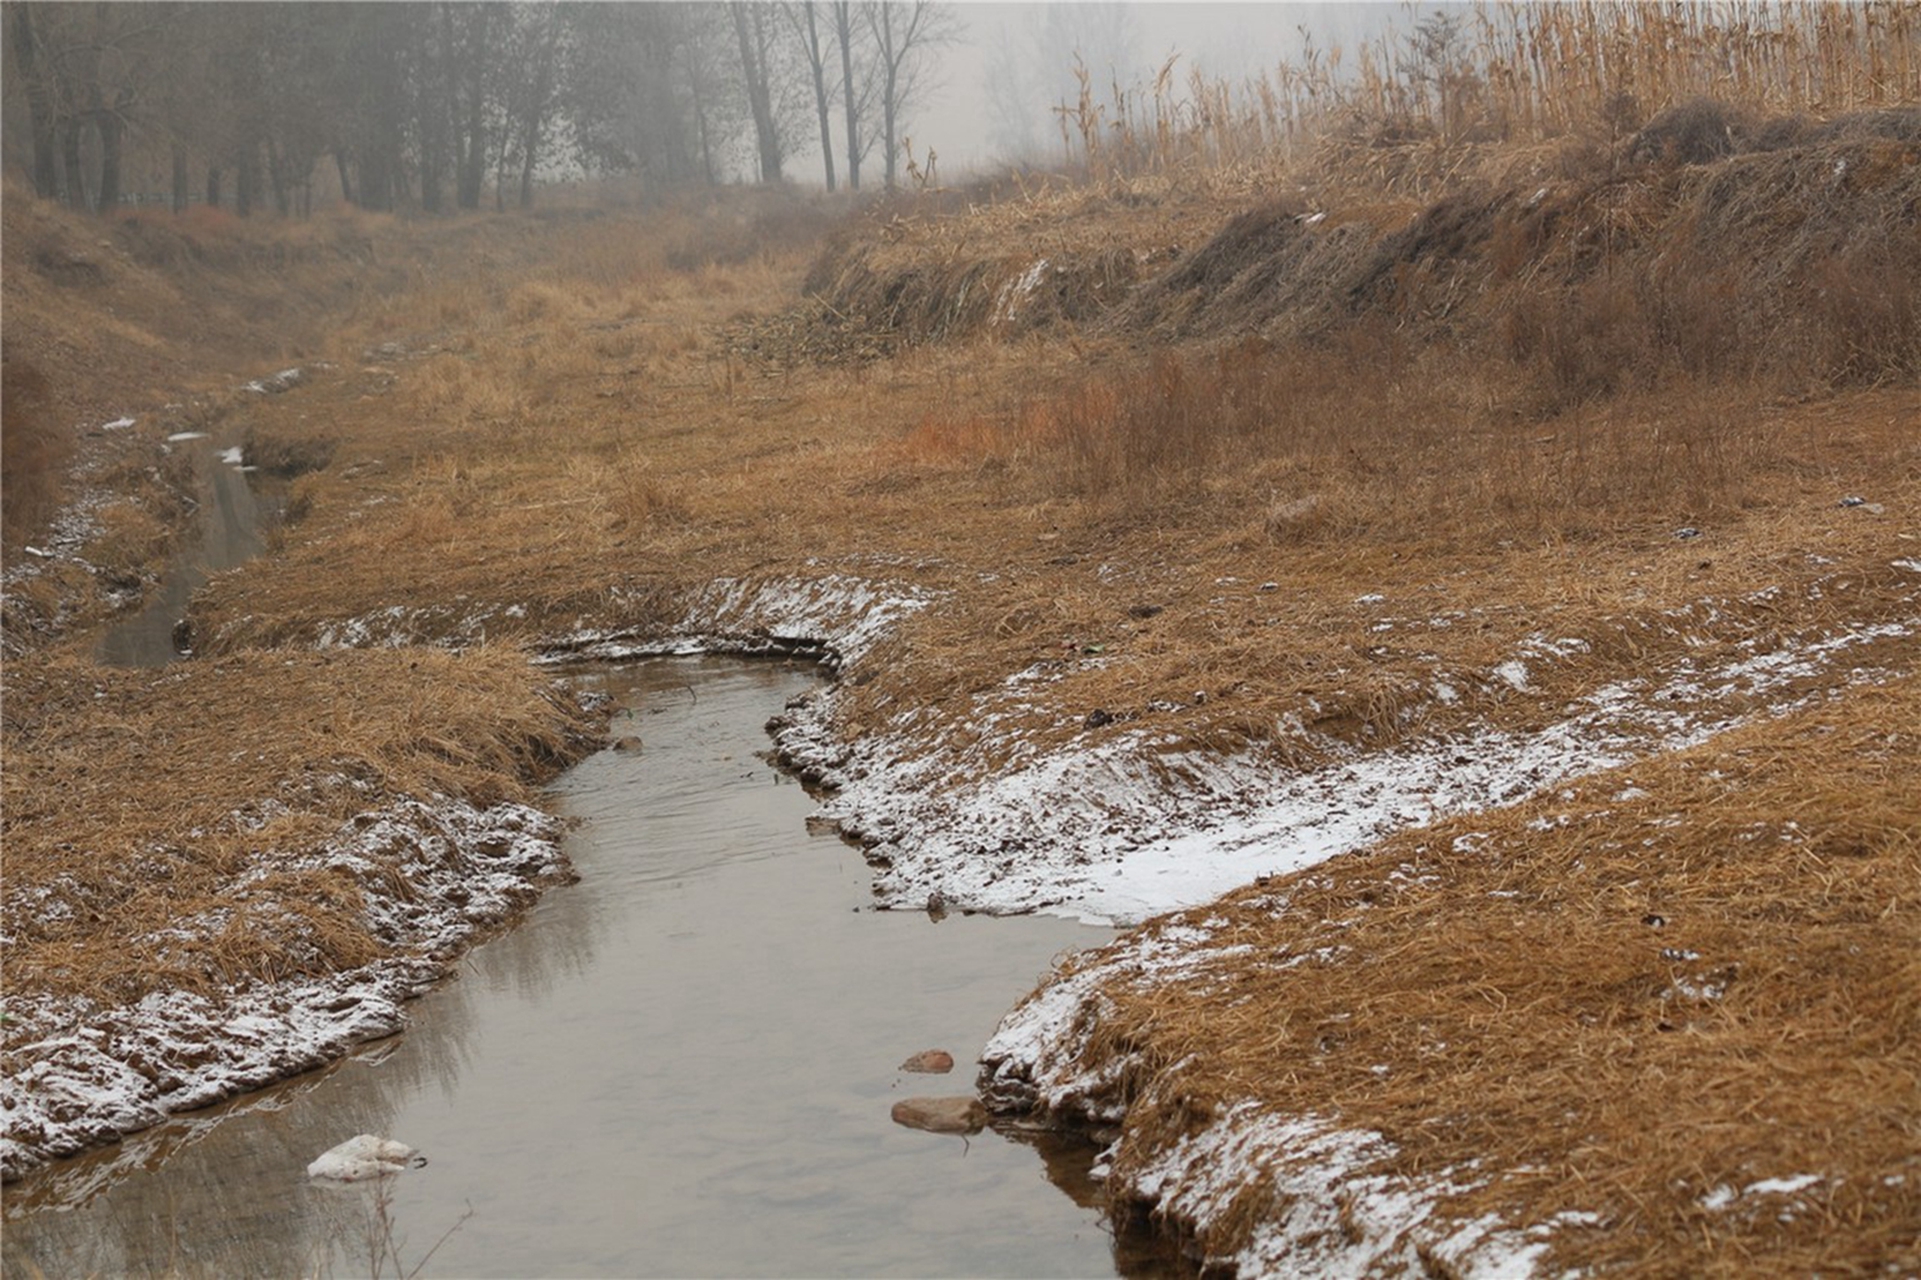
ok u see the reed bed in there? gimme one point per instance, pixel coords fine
(1512, 74)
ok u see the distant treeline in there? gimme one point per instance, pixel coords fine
(441, 106)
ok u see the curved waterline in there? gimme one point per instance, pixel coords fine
(683, 1065)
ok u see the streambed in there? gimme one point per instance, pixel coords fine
(229, 529)
(682, 1065)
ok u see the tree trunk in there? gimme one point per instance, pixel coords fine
(538, 104)
(434, 104)
(72, 170)
(816, 63)
(754, 70)
(247, 180)
(473, 165)
(700, 123)
(46, 165)
(111, 129)
(887, 110)
(180, 193)
(346, 179)
(844, 29)
(213, 185)
(527, 173)
(277, 179)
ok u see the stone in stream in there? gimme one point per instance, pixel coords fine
(933, 1062)
(628, 744)
(941, 1115)
(366, 1156)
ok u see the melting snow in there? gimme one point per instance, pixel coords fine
(433, 875)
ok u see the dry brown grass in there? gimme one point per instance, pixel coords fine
(34, 453)
(564, 421)
(1522, 977)
(1508, 75)
(133, 796)
(1370, 439)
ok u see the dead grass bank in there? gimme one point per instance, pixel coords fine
(133, 797)
(1630, 999)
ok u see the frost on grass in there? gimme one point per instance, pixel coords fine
(433, 875)
(1334, 1203)
(1134, 825)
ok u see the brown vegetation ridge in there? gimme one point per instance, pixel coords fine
(579, 434)
(1667, 1015)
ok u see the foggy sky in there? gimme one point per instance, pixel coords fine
(1007, 43)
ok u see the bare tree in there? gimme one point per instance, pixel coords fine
(87, 69)
(848, 35)
(803, 16)
(654, 89)
(35, 72)
(1033, 68)
(906, 34)
(534, 104)
(757, 73)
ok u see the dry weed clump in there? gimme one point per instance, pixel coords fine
(1403, 105)
(1629, 999)
(132, 797)
(1367, 438)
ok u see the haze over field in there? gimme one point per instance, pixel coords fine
(391, 106)
(997, 88)
(1423, 541)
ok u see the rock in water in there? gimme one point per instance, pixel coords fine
(628, 744)
(941, 1115)
(933, 1062)
(366, 1156)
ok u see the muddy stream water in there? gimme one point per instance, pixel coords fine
(682, 1065)
(229, 527)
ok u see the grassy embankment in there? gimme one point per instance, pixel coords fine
(1485, 379)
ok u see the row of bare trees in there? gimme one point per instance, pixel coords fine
(440, 104)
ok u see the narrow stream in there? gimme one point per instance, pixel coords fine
(682, 1065)
(228, 529)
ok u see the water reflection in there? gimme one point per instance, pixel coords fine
(681, 1066)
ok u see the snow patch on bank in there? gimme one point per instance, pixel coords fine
(434, 874)
(834, 617)
(1131, 827)
(1345, 1217)
(1335, 1208)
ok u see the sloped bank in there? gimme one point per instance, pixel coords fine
(435, 875)
(223, 873)
(286, 947)
(1112, 833)
(1659, 1020)
(1144, 820)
